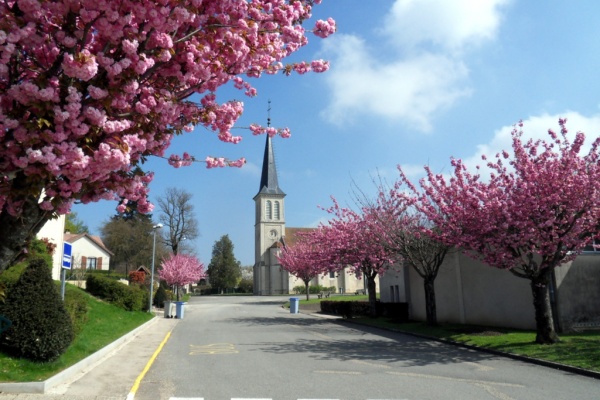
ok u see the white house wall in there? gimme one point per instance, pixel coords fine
(85, 247)
(53, 231)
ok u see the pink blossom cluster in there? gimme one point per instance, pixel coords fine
(304, 258)
(538, 209)
(90, 89)
(352, 241)
(219, 162)
(181, 269)
(259, 130)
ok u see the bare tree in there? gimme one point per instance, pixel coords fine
(177, 215)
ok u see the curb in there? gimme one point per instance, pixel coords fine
(549, 364)
(81, 367)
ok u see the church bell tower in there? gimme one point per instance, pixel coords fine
(269, 228)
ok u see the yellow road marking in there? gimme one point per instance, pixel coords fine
(339, 372)
(447, 378)
(215, 348)
(137, 382)
(371, 364)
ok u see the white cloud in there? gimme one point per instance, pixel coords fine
(536, 127)
(449, 24)
(251, 169)
(416, 70)
(410, 90)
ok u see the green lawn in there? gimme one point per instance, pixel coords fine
(106, 323)
(575, 349)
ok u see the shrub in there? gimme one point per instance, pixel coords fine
(160, 297)
(138, 277)
(246, 285)
(41, 327)
(130, 298)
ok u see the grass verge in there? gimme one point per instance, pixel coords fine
(580, 350)
(106, 323)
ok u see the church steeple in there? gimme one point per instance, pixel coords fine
(268, 180)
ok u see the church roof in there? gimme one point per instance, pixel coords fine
(268, 180)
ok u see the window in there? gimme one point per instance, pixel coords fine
(269, 209)
(331, 274)
(392, 295)
(277, 210)
(91, 263)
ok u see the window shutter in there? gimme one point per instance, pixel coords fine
(99, 266)
(83, 262)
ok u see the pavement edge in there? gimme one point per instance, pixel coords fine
(68, 374)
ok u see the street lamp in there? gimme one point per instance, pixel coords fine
(154, 229)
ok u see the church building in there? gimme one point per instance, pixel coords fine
(271, 234)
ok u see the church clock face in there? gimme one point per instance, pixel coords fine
(273, 234)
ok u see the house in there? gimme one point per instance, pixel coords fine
(88, 252)
(271, 235)
(471, 292)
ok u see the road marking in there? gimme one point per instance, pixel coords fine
(320, 335)
(479, 366)
(448, 378)
(137, 382)
(338, 372)
(215, 348)
(371, 364)
(493, 391)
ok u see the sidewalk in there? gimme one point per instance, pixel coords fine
(110, 373)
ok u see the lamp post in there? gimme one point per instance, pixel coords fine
(154, 229)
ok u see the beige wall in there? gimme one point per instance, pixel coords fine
(578, 292)
(470, 292)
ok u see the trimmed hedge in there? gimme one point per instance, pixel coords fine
(349, 309)
(130, 298)
(346, 309)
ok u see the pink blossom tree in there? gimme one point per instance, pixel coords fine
(303, 260)
(537, 211)
(90, 89)
(403, 231)
(350, 240)
(180, 270)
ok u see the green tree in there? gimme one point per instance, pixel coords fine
(129, 237)
(224, 271)
(74, 225)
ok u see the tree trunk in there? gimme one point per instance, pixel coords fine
(543, 311)
(430, 306)
(17, 232)
(307, 283)
(372, 288)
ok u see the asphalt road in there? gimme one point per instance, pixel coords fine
(252, 348)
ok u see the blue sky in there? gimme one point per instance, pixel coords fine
(412, 82)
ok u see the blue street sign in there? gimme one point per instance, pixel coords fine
(67, 248)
